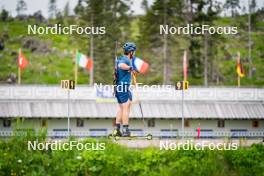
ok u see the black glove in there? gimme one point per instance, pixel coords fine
(130, 68)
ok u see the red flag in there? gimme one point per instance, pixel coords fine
(198, 132)
(22, 61)
(185, 66)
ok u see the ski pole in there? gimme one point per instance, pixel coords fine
(139, 102)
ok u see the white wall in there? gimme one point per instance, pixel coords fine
(138, 124)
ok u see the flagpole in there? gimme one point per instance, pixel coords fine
(91, 72)
(182, 106)
(238, 81)
(238, 62)
(134, 81)
(76, 67)
(19, 69)
(185, 65)
(183, 84)
(19, 75)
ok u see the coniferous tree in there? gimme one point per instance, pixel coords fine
(4, 15)
(52, 9)
(66, 10)
(166, 13)
(113, 15)
(203, 48)
(21, 7)
(233, 5)
(78, 10)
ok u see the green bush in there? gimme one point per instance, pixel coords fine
(16, 159)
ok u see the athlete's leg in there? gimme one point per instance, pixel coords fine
(125, 118)
(126, 111)
(119, 114)
(129, 108)
(117, 131)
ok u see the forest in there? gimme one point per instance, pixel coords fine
(212, 58)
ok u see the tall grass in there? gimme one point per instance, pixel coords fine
(16, 159)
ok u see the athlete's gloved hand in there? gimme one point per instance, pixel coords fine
(131, 69)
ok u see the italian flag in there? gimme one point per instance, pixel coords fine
(83, 61)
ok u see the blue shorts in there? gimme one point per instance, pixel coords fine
(122, 97)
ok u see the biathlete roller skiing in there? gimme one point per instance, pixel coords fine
(124, 74)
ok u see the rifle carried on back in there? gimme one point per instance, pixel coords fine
(115, 75)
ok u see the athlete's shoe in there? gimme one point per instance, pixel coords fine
(126, 133)
(117, 132)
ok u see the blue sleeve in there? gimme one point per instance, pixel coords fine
(124, 60)
(127, 61)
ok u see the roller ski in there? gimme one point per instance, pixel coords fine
(116, 132)
(128, 136)
(131, 137)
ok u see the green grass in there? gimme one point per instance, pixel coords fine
(16, 159)
(47, 69)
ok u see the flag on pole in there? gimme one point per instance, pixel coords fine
(239, 67)
(185, 66)
(83, 61)
(198, 132)
(140, 65)
(22, 61)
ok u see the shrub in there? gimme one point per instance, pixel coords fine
(16, 159)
